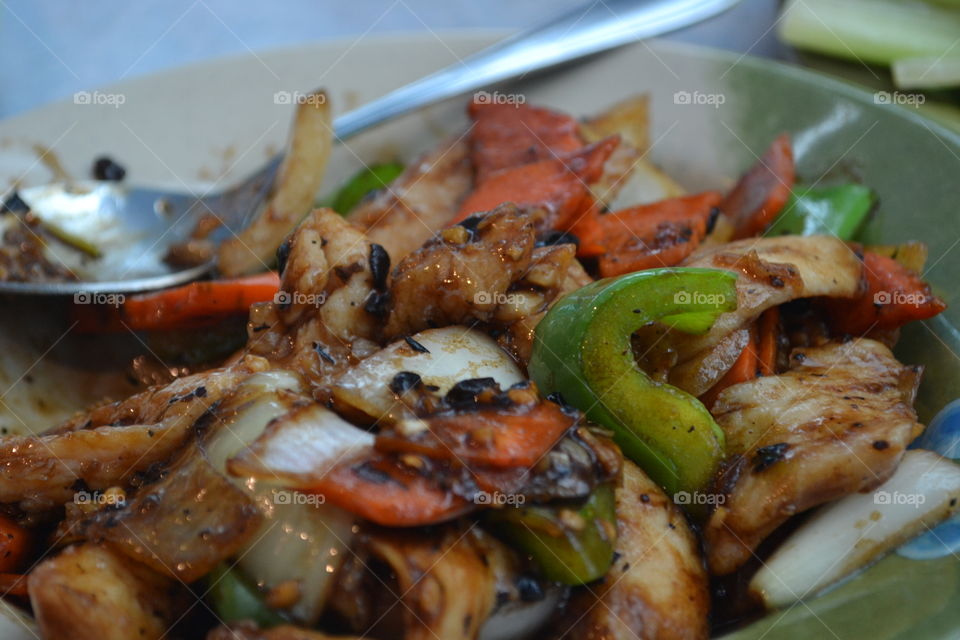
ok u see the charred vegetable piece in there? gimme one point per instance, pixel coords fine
(762, 192)
(893, 296)
(559, 184)
(14, 545)
(582, 350)
(234, 599)
(838, 210)
(571, 544)
(198, 303)
(659, 234)
(361, 184)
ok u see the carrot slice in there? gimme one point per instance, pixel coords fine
(763, 191)
(508, 135)
(489, 438)
(643, 237)
(767, 330)
(560, 185)
(383, 491)
(14, 545)
(198, 303)
(745, 368)
(13, 584)
(891, 297)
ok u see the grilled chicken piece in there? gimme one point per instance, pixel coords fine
(108, 445)
(323, 322)
(90, 593)
(420, 202)
(836, 423)
(461, 275)
(770, 271)
(657, 587)
(427, 574)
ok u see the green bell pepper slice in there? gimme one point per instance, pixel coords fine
(571, 544)
(582, 350)
(368, 179)
(838, 210)
(234, 599)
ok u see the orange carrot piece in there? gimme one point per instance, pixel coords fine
(13, 584)
(506, 135)
(768, 336)
(658, 234)
(488, 438)
(14, 545)
(198, 303)
(762, 191)
(560, 185)
(891, 297)
(384, 492)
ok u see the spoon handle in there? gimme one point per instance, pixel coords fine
(587, 29)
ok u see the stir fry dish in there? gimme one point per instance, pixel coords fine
(525, 386)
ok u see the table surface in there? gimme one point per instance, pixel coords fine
(52, 48)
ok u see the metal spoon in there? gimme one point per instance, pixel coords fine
(139, 225)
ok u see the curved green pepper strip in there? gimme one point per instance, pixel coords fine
(234, 600)
(839, 210)
(572, 545)
(582, 350)
(360, 184)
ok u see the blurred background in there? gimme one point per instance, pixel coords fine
(52, 48)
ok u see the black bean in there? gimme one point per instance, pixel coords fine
(416, 346)
(283, 254)
(465, 392)
(104, 168)
(14, 204)
(379, 265)
(404, 381)
(554, 237)
(378, 303)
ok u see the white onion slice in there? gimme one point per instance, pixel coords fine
(300, 447)
(300, 540)
(518, 620)
(455, 353)
(852, 532)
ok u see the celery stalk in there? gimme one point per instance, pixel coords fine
(877, 31)
(931, 72)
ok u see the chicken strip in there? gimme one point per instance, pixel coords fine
(420, 202)
(90, 593)
(463, 274)
(836, 423)
(657, 587)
